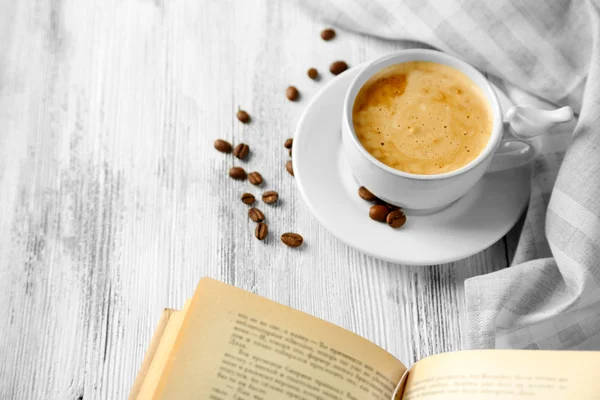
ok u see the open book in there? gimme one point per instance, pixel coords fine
(227, 343)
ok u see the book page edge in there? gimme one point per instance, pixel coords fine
(149, 356)
(399, 392)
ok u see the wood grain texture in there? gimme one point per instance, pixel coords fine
(113, 203)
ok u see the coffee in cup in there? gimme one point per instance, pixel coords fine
(422, 117)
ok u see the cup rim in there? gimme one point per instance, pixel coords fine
(375, 66)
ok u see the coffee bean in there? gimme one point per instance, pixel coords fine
(313, 73)
(223, 146)
(288, 143)
(327, 34)
(241, 151)
(248, 198)
(261, 231)
(292, 93)
(379, 212)
(365, 194)
(237, 173)
(292, 239)
(396, 219)
(270, 197)
(243, 116)
(256, 215)
(289, 167)
(338, 67)
(255, 178)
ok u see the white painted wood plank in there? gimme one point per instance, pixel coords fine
(113, 203)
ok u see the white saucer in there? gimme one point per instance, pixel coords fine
(470, 225)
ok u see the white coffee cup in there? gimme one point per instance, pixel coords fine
(432, 192)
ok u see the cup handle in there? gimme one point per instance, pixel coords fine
(517, 147)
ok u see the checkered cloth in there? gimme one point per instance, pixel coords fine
(550, 50)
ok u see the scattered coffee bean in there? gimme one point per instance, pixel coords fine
(292, 93)
(289, 167)
(255, 178)
(396, 219)
(223, 146)
(327, 34)
(270, 197)
(379, 212)
(248, 198)
(237, 173)
(292, 239)
(338, 67)
(288, 143)
(365, 194)
(313, 73)
(256, 215)
(243, 116)
(261, 231)
(241, 151)
(290, 153)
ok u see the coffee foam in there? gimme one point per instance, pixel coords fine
(422, 117)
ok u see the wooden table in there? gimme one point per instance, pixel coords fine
(113, 202)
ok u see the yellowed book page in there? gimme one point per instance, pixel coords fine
(506, 374)
(237, 345)
(161, 354)
(150, 352)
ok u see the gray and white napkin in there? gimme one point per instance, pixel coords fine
(545, 52)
